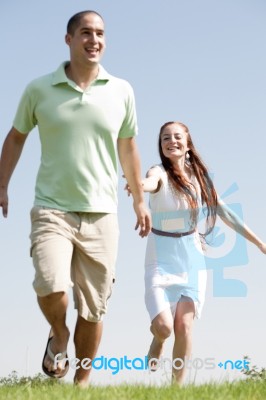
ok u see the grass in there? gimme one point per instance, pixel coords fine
(40, 388)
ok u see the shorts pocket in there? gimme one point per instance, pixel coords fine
(45, 214)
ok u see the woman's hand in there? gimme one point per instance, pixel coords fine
(127, 187)
(262, 247)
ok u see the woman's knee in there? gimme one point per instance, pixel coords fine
(183, 327)
(162, 329)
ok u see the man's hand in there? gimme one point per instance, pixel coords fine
(4, 201)
(143, 219)
(129, 160)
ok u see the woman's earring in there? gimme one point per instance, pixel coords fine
(188, 162)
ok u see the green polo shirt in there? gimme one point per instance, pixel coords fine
(78, 132)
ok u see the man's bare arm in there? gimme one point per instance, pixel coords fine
(10, 155)
(130, 163)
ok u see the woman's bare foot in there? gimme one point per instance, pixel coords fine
(154, 354)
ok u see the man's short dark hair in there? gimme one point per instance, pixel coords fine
(74, 21)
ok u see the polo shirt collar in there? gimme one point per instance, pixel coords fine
(60, 75)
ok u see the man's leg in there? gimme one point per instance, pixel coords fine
(52, 251)
(93, 265)
(87, 339)
(54, 308)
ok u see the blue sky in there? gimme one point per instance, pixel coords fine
(199, 62)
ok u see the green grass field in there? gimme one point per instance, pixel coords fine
(46, 389)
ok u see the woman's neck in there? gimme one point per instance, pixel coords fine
(180, 167)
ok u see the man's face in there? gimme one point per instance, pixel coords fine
(87, 44)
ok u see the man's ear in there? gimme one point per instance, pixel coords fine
(67, 39)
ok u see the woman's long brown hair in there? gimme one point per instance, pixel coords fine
(208, 192)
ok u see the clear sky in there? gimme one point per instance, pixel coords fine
(200, 62)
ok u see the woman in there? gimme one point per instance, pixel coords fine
(175, 272)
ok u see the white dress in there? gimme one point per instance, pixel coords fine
(174, 267)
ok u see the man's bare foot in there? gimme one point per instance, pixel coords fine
(55, 360)
(83, 384)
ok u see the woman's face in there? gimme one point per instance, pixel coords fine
(174, 142)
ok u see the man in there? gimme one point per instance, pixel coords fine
(85, 117)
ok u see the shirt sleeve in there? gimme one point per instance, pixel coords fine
(25, 120)
(129, 126)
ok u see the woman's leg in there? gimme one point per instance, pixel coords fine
(161, 328)
(183, 323)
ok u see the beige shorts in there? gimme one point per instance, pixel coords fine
(75, 250)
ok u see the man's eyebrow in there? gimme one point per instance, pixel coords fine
(88, 28)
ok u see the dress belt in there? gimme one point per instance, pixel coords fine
(171, 234)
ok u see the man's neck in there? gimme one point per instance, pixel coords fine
(82, 76)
